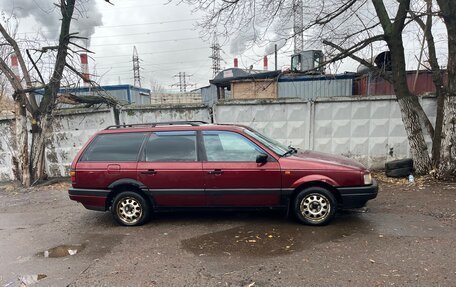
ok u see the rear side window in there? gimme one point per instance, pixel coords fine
(171, 147)
(122, 147)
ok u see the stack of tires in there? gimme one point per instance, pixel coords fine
(399, 168)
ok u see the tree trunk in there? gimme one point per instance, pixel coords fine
(447, 165)
(411, 111)
(21, 159)
(37, 152)
(43, 117)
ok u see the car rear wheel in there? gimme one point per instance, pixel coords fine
(130, 209)
(315, 206)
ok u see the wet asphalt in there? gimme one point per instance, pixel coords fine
(406, 237)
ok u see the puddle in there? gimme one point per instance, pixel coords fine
(26, 280)
(62, 251)
(263, 239)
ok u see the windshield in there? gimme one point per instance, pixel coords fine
(274, 145)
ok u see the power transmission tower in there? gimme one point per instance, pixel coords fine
(136, 68)
(182, 84)
(298, 26)
(215, 56)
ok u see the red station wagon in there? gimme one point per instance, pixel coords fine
(134, 170)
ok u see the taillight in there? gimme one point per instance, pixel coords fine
(73, 176)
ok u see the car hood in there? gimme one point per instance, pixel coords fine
(326, 158)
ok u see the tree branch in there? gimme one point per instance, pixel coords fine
(350, 53)
(383, 16)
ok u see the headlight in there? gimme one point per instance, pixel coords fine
(367, 178)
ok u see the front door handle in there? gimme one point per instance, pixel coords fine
(215, 171)
(149, 171)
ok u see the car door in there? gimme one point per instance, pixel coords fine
(171, 169)
(232, 175)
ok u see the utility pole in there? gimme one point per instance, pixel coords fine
(136, 68)
(298, 26)
(182, 84)
(215, 47)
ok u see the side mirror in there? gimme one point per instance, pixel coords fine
(262, 158)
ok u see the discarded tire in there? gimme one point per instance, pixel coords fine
(399, 172)
(400, 163)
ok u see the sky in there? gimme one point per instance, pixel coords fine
(166, 37)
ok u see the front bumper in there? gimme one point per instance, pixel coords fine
(357, 196)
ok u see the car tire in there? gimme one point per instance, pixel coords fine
(399, 172)
(315, 206)
(400, 163)
(130, 209)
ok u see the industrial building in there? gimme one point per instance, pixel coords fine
(125, 94)
(306, 80)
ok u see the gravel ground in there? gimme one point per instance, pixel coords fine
(405, 237)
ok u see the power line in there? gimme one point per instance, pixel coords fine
(144, 33)
(150, 23)
(146, 42)
(129, 25)
(116, 65)
(158, 52)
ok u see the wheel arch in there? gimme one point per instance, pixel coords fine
(122, 185)
(316, 183)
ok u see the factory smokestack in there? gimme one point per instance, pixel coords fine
(236, 62)
(15, 65)
(85, 68)
(265, 63)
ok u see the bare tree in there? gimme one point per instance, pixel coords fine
(352, 28)
(29, 166)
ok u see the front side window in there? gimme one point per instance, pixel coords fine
(121, 147)
(276, 147)
(171, 147)
(229, 146)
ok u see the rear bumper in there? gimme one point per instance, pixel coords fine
(356, 197)
(93, 199)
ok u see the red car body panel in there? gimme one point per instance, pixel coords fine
(218, 184)
(242, 183)
(185, 176)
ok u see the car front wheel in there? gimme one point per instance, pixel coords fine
(130, 209)
(315, 206)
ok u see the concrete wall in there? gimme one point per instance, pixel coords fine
(7, 147)
(367, 129)
(71, 130)
(157, 113)
(285, 121)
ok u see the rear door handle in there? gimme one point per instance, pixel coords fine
(215, 171)
(149, 171)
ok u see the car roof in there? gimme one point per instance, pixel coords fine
(170, 126)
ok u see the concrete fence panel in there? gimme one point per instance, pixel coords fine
(71, 130)
(286, 121)
(7, 147)
(148, 114)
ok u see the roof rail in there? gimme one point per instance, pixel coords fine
(191, 123)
